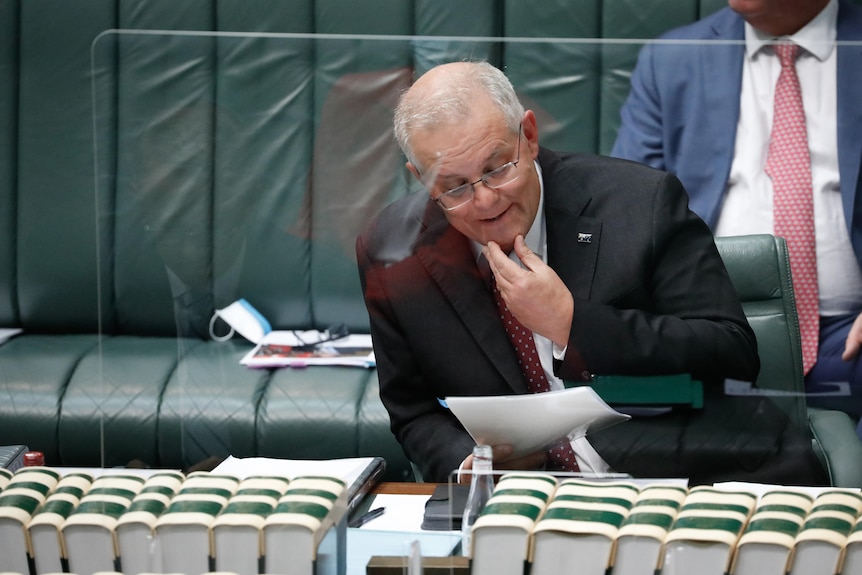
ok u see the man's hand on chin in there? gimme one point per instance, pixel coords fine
(534, 294)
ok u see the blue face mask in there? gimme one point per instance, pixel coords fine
(243, 318)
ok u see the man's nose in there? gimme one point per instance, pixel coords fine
(483, 194)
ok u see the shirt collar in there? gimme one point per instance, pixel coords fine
(535, 238)
(817, 37)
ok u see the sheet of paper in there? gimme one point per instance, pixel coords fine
(278, 350)
(348, 469)
(533, 421)
(8, 332)
(403, 513)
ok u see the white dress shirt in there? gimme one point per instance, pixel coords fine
(747, 207)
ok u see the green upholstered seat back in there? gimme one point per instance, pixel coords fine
(235, 166)
(759, 267)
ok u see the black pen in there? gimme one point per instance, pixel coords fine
(363, 519)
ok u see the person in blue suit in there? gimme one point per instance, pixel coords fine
(701, 108)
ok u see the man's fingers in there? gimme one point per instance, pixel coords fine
(526, 255)
(503, 268)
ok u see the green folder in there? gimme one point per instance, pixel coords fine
(647, 391)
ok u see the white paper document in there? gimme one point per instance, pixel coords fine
(348, 469)
(534, 421)
(8, 332)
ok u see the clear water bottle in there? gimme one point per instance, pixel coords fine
(481, 488)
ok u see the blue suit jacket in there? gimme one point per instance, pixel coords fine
(683, 108)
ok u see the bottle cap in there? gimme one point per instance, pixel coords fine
(34, 459)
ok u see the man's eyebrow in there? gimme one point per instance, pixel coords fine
(488, 164)
(492, 161)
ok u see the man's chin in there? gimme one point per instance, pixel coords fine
(506, 245)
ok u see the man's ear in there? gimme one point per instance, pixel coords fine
(413, 171)
(531, 132)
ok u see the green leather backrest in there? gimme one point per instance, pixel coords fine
(354, 162)
(55, 240)
(8, 160)
(759, 268)
(232, 166)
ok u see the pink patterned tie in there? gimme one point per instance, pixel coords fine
(789, 165)
(562, 456)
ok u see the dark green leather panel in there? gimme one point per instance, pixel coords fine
(263, 143)
(356, 165)
(56, 226)
(8, 159)
(110, 409)
(209, 405)
(288, 16)
(34, 372)
(321, 398)
(558, 81)
(167, 15)
(751, 263)
(387, 17)
(645, 19)
(163, 246)
(835, 433)
(759, 269)
(453, 18)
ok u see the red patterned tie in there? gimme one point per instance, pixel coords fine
(789, 165)
(561, 456)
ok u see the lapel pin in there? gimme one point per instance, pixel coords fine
(585, 238)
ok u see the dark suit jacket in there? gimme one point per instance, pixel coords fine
(651, 297)
(683, 108)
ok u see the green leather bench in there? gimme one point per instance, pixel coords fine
(159, 160)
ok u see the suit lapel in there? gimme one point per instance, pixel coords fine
(573, 239)
(446, 255)
(574, 260)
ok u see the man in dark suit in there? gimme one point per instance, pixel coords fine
(600, 258)
(704, 110)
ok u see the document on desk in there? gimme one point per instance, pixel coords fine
(534, 421)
